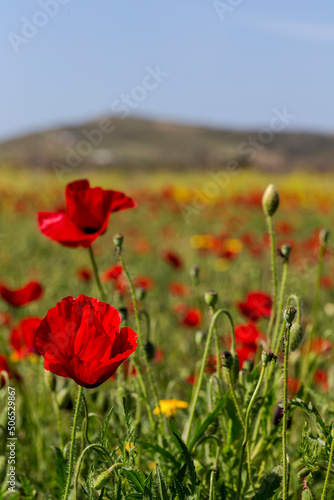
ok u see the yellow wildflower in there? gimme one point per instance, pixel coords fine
(169, 407)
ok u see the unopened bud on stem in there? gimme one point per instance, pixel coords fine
(211, 298)
(270, 200)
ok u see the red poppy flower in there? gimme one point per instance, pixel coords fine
(247, 334)
(30, 292)
(84, 274)
(321, 378)
(257, 305)
(113, 272)
(192, 318)
(86, 216)
(143, 282)
(179, 289)
(173, 259)
(22, 338)
(80, 339)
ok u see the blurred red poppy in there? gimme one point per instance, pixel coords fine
(113, 272)
(84, 274)
(258, 305)
(5, 318)
(86, 216)
(247, 334)
(143, 282)
(179, 289)
(246, 351)
(192, 318)
(23, 336)
(21, 296)
(80, 339)
(173, 259)
(321, 378)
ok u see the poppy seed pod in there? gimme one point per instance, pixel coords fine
(289, 314)
(286, 250)
(324, 236)
(211, 298)
(270, 200)
(194, 274)
(296, 336)
(227, 360)
(118, 240)
(267, 356)
(102, 480)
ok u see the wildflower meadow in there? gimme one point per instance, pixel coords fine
(166, 340)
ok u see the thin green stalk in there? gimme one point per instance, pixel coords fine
(77, 472)
(320, 266)
(71, 457)
(285, 415)
(96, 274)
(212, 493)
(201, 373)
(274, 272)
(329, 466)
(212, 309)
(59, 422)
(140, 338)
(280, 300)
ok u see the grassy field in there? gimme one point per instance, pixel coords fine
(214, 221)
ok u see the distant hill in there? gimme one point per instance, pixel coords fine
(135, 142)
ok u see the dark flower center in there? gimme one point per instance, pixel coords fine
(90, 230)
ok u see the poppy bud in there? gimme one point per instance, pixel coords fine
(324, 236)
(227, 360)
(124, 313)
(141, 293)
(50, 380)
(267, 356)
(270, 200)
(102, 480)
(296, 336)
(194, 274)
(118, 240)
(200, 337)
(289, 314)
(211, 298)
(286, 250)
(150, 350)
(308, 494)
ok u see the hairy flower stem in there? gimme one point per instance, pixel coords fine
(280, 301)
(285, 414)
(140, 338)
(201, 373)
(96, 274)
(274, 272)
(95, 446)
(71, 457)
(329, 466)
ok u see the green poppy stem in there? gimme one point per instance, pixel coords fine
(71, 457)
(96, 274)
(285, 415)
(201, 373)
(274, 272)
(329, 466)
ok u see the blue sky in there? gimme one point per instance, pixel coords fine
(227, 69)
